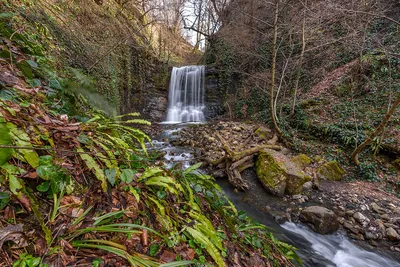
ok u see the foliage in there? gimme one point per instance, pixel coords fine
(89, 185)
(29, 261)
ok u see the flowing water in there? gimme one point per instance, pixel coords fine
(315, 250)
(186, 94)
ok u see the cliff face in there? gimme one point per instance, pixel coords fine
(108, 43)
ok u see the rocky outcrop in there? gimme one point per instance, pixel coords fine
(330, 171)
(213, 98)
(279, 174)
(320, 219)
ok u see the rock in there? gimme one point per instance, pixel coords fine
(302, 160)
(396, 210)
(295, 197)
(307, 186)
(320, 219)
(330, 171)
(390, 225)
(375, 207)
(392, 234)
(381, 225)
(385, 217)
(279, 174)
(349, 226)
(370, 235)
(359, 217)
(350, 212)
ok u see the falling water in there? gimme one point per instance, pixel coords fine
(186, 94)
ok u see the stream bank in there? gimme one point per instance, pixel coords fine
(379, 208)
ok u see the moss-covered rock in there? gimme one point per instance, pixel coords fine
(330, 171)
(279, 174)
(302, 160)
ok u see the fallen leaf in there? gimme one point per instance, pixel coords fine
(9, 213)
(40, 246)
(168, 256)
(24, 200)
(31, 175)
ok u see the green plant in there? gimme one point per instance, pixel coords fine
(29, 261)
(368, 171)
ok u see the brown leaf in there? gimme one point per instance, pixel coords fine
(40, 246)
(24, 200)
(9, 213)
(31, 175)
(168, 256)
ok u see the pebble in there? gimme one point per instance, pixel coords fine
(370, 235)
(375, 207)
(390, 225)
(392, 234)
(363, 220)
(350, 212)
(295, 197)
(385, 217)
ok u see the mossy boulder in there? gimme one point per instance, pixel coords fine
(302, 160)
(278, 174)
(330, 171)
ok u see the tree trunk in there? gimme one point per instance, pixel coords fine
(273, 72)
(303, 48)
(377, 131)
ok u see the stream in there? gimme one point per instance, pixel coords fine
(315, 250)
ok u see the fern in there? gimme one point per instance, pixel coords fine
(211, 249)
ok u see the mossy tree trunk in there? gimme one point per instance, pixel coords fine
(377, 131)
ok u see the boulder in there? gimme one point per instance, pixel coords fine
(330, 171)
(279, 174)
(302, 160)
(320, 219)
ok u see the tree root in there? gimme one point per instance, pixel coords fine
(233, 163)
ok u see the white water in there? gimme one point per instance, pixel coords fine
(186, 94)
(339, 250)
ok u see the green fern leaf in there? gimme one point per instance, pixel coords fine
(94, 167)
(211, 249)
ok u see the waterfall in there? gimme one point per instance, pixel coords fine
(186, 94)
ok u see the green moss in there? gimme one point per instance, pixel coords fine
(330, 171)
(271, 173)
(302, 160)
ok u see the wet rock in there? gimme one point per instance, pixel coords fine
(296, 197)
(320, 219)
(360, 218)
(392, 234)
(279, 174)
(330, 171)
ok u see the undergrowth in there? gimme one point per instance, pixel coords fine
(79, 187)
